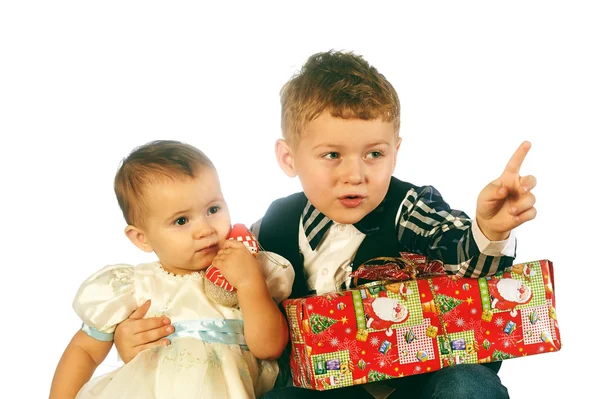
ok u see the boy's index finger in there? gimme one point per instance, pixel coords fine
(515, 162)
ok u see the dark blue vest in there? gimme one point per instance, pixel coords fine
(279, 231)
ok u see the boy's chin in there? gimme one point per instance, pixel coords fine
(349, 216)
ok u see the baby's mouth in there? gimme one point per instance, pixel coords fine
(208, 248)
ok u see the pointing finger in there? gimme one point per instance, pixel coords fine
(515, 162)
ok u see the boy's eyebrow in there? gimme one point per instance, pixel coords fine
(341, 145)
(379, 142)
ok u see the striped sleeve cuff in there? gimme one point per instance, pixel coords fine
(475, 263)
(494, 248)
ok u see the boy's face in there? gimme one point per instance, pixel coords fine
(344, 165)
(186, 222)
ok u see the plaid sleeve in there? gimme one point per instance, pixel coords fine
(427, 225)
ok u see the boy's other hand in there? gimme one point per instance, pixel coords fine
(136, 334)
(507, 202)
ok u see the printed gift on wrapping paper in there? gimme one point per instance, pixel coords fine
(419, 319)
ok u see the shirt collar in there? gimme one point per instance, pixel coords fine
(316, 224)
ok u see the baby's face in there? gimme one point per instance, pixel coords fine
(188, 221)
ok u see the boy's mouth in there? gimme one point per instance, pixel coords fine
(351, 201)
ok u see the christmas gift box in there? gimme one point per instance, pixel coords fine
(418, 321)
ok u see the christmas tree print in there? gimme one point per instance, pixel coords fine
(447, 303)
(378, 376)
(320, 323)
(499, 355)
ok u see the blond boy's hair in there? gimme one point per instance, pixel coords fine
(156, 161)
(341, 83)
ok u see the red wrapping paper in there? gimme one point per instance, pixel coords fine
(393, 329)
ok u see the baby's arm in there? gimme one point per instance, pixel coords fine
(265, 327)
(77, 365)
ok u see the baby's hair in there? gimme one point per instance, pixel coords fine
(341, 83)
(160, 160)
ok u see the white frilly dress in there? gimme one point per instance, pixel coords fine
(207, 357)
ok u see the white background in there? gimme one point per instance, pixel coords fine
(82, 83)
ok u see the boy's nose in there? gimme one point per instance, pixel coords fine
(353, 172)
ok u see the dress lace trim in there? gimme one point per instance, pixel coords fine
(190, 276)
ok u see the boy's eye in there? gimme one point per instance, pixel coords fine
(374, 154)
(213, 209)
(332, 155)
(181, 221)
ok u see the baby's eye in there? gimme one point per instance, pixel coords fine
(181, 221)
(374, 154)
(213, 209)
(332, 155)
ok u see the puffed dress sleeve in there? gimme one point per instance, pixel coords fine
(106, 299)
(279, 274)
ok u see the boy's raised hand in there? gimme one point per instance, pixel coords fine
(507, 202)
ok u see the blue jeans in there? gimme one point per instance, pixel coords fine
(473, 381)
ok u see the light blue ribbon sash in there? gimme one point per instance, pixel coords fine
(224, 331)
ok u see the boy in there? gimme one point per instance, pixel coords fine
(340, 123)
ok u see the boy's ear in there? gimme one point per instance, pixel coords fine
(285, 157)
(138, 238)
(396, 150)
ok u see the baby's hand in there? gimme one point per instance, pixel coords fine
(507, 202)
(136, 334)
(239, 267)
